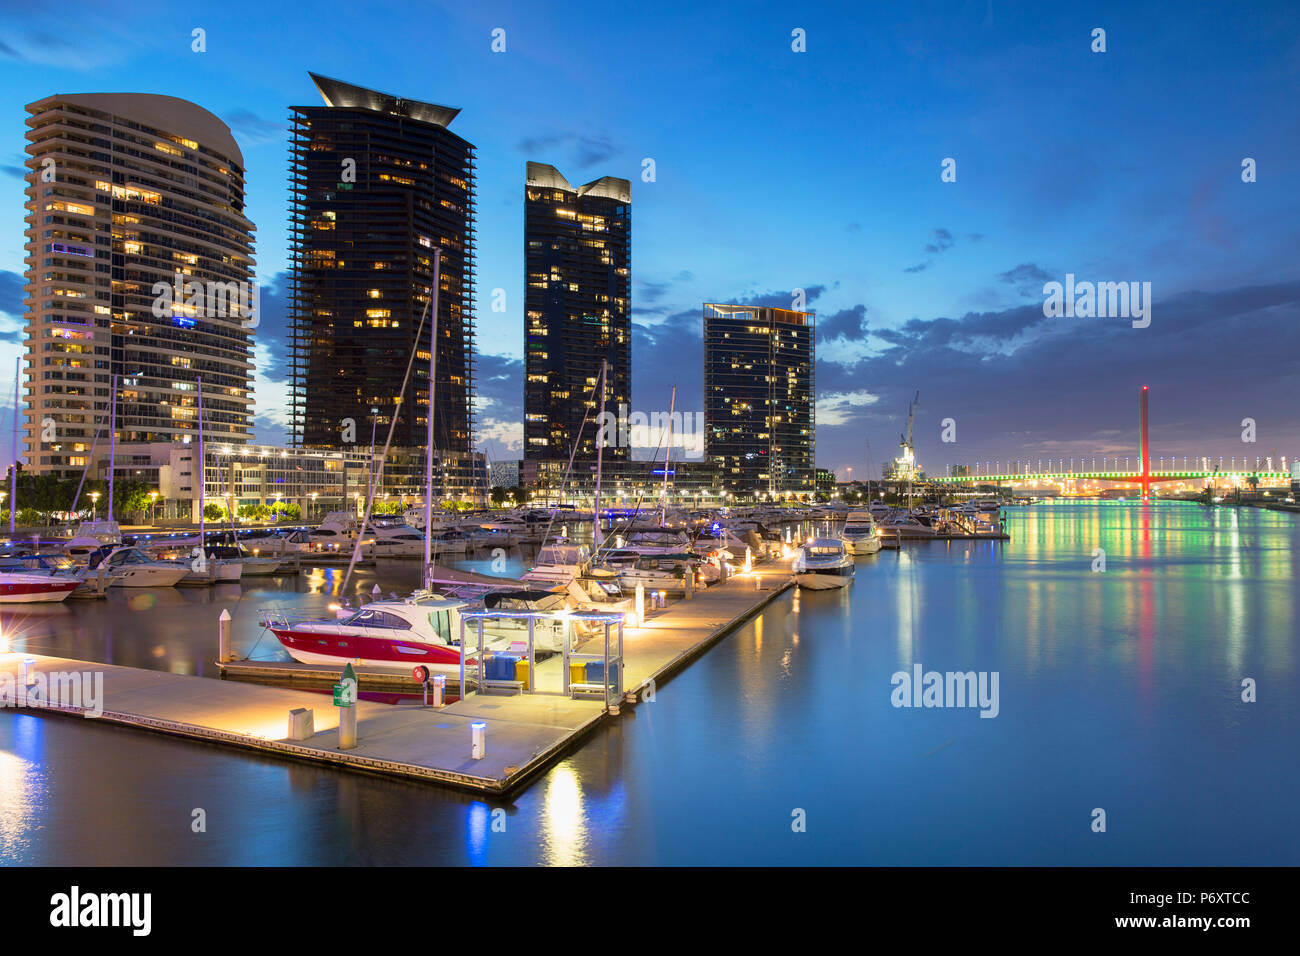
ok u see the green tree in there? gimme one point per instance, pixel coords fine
(499, 495)
(213, 511)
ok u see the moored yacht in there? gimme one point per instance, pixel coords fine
(823, 563)
(558, 564)
(423, 629)
(132, 568)
(36, 579)
(90, 536)
(860, 533)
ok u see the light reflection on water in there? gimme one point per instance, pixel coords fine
(1118, 689)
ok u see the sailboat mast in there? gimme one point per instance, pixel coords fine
(203, 543)
(428, 433)
(112, 443)
(13, 469)
(668, 450)
(600, 448)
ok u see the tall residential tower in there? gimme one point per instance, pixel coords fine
(128, 193)
(378, 183)
(759, 407)
(577, 257)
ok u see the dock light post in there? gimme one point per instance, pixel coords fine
(478, 739)
(375, 594)
(223, 638)
(749, 559)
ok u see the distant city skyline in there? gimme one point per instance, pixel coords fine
(776, 171)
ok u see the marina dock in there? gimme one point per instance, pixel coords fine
(525, 732)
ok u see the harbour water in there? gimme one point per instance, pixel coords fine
(1119, 690)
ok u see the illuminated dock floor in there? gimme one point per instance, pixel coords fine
(525, 732)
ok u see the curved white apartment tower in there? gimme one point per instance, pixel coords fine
(126, 191)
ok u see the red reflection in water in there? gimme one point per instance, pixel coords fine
(1145, 610)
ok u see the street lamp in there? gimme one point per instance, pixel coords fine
(153, 498)
(94, 504)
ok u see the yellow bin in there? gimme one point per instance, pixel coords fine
(577, 672)
(521, 672)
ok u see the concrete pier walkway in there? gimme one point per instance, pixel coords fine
(524, 733)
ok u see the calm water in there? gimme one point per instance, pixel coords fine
(1119, 690)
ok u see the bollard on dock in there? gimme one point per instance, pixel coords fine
(223, 638)
(302, 723)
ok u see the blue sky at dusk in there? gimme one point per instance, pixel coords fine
(778, 170)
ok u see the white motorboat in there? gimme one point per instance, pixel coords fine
(132, 568)
(558, 564)
(36, 579)
(423, 629)
(860, 533)
(395, 541)
(658, 541)
(823, 563)
(337, 530)
(658, 572)
(90, 536)
(253, 564)
(903, 525)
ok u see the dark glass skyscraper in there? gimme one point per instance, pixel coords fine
(759, 407)
(578, 254)
(378, 183)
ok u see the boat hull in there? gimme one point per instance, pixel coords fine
(323, 647)
(34, 592)
(825, 580)
(865, 545)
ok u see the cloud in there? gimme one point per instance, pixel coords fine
(942, 242)
(584, 149)
(653, 291)
(779, 300)
(251, 130)
(1017, 383)
(835, 408)
(11, 293)
(1026, 277)
(846, 324)
(499, 405)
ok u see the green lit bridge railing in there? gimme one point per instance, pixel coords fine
(1133, 477)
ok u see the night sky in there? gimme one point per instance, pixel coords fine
(777, 170)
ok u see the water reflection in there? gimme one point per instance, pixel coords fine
(1118, 689)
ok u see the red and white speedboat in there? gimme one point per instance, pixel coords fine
(35, 579)
(423, 629)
